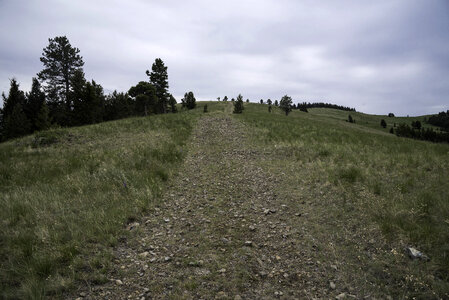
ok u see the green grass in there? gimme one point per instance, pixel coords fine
(401, 184)
(66, 194)
(367, 120)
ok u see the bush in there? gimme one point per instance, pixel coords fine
(383, 123)
(205, 108)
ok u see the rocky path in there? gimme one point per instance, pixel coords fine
(221, 231)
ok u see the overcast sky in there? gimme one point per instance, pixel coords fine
(377, 56)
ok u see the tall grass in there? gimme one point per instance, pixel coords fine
(66, 193)
(407, 181)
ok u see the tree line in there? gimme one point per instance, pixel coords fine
(441, 120)
(305, 105)
(61, 96)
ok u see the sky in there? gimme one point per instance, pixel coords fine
(377, 56)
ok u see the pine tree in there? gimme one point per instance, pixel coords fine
(61, 61)
(34, 102)
(172, 102)
(189, 100)
(17, 123)
(159, 78)
(14, 121)
(269, 102)
(42, 121)
(286, 104)
(276, 103)
(144, 105)
(383, 123)
(238, 105)
(225, 98)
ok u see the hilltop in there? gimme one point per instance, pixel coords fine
(203, 205)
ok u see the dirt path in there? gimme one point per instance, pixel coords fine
(223, 232)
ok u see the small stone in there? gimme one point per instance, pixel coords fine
(298, 214)
(340, 296)
(237, 297)
(167, 258)
(144, 254)
(332, 285)
(334, 267)
(252, 228)
(221, 295)
(166, 220)
(132, 226)
(415, 254)
(119, 282)
(248, 243)
(83, 294)
(263, 274)
(272, 210)
(266, 211)
(221, 271)
(146, 290)
(153, 259)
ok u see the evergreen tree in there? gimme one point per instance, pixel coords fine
(391, 130)
(14, 120)
(269, 108)
(172, 102)
(118, 106)
(261, 101)
(383, 123)
(238, 105)
(89, 108)
(159, 78)
(144, 105)
(225, 98)
(34, 102)
(77, 98)
(276, 103)
(218, 98)
(286, 104)
(189, 100)
(61, 61)
(247, 100)
(42, 121)
(16, 123)
(269, 102)
(205, 108)
(350, 119)
(15, 96)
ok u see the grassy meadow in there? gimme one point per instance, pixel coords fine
(66, 194)
(401, 184)
(367, 120)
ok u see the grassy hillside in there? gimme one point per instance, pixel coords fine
(67, 195)
(372, 121)
(400, 183)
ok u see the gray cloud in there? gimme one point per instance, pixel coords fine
(377, 56)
